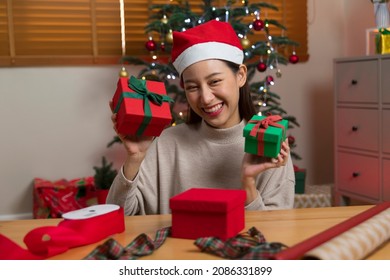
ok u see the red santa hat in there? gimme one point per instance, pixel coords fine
(211, 40)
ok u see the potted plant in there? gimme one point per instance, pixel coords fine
(103, 178)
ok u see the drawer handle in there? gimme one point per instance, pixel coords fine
(355, 174)
(355, 128)
(354, 82)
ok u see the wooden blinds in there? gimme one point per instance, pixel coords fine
(76, 32)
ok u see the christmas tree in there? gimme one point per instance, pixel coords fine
(263, 40)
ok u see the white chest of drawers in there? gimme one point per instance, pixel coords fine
(362, 129)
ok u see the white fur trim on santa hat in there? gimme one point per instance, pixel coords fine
(208, 50)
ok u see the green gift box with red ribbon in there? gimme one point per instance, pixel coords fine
(142, 107)
(264, 135)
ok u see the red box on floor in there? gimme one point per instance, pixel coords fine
(142, 109)
(200, 212)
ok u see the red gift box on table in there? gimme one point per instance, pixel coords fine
(142, 107)
(53, 198)
(200, 212)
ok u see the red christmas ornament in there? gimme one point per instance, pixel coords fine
(291, 139)
(261, 67)
(150, 45)
(269, 80)
(162, 47)
(293, 58)
(258, 24)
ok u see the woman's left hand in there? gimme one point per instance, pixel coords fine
(253, 165)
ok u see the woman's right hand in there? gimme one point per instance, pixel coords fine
(133, 144)
(136, 148)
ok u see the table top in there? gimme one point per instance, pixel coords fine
(286, 226)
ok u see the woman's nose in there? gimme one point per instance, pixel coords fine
(206, 95)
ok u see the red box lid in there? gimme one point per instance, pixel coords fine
(210, 200)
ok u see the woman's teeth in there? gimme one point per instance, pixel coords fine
(213, 109)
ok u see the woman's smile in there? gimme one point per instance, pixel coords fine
(213, 110)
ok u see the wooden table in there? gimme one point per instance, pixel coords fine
(287, 226)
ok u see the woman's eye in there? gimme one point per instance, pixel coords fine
(214, 82)
(190, 88)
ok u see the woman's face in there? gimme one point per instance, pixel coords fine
(212, 91)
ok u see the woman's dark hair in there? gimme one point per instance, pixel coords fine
(246, 107)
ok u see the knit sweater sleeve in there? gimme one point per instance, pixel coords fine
(137, 196)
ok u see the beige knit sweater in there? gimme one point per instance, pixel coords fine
(189, 156)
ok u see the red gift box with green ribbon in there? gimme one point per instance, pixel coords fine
(264, 135)
(142, 107)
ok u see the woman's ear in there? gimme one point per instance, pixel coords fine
(242, 75)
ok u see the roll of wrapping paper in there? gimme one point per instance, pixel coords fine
(356, 243)
(299, 250)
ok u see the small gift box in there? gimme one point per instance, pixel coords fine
(200, 212)
(383, 41)
(300, 178)
(142, 107)
(53, 198)
(264, 135)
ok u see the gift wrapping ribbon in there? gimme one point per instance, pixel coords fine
(245, 246)
(258, 131)
(250, 245)
(142, 245)
(48, 241)
(142, 92)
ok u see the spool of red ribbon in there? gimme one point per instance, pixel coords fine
(79, 227)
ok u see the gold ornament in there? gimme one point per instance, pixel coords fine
(164, 20)
(278, 73)
(169, 37)
(123, 72)
(245, 42)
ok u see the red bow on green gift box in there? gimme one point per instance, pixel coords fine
(142, 92)
(260, 127)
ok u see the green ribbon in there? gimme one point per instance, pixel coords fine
(141, 92)
(384, 31)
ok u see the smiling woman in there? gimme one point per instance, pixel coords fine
(207, 153)
(75, 32)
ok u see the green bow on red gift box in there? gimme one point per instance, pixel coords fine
(142, 92)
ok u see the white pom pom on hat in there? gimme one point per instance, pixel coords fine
(211, 40)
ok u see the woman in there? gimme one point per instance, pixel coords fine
(207, 151)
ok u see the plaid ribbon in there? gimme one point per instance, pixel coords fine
(246, 246)
(142, 245)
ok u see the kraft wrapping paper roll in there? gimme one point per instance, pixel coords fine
(299, 250)
(356, 243)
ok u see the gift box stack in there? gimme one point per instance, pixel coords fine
(264, 135)
(53, 198)
(142, 107)
(201, 212)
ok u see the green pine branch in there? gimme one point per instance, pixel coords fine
(104, 175)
